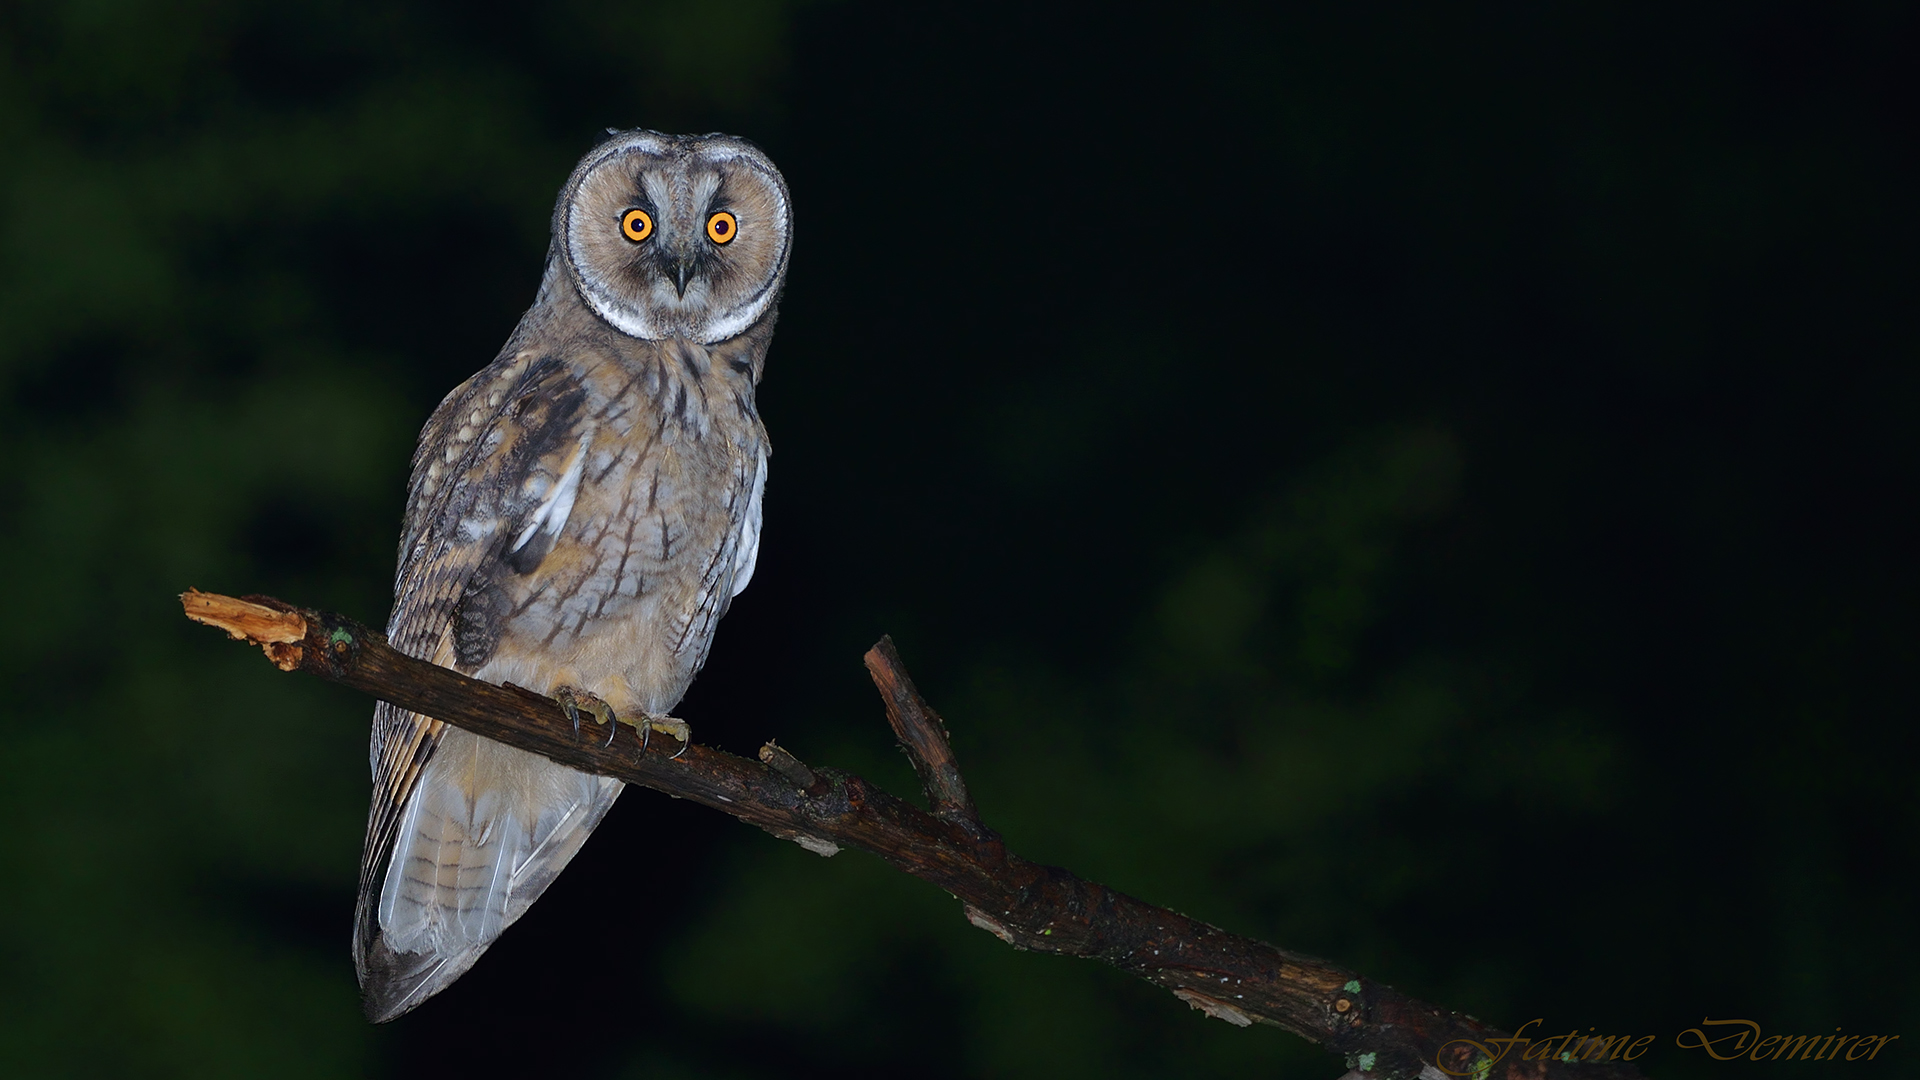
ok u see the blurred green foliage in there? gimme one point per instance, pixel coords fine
(1428, 487)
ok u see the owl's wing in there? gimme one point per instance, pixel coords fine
(494, 479)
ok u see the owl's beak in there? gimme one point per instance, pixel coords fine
(682, 273)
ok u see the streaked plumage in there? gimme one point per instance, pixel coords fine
(581, 512)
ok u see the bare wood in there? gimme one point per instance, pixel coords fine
(924, 734)
(275, 631)
(1380, 1031)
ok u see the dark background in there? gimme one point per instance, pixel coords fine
(1425, 485)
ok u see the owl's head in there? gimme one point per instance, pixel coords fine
(676, 235)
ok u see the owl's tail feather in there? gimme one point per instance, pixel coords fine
(486, 830)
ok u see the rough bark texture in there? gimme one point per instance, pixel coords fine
(1379, 1031)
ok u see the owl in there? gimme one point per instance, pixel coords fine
(580, 514)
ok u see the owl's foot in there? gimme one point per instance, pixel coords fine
(577, 701)
(665, 725)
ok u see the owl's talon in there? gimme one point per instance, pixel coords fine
(576, 701)
(676, 727)
(665, 725)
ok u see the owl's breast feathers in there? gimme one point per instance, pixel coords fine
(558, 496)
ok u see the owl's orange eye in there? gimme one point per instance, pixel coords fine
(636, 225)
(721, 227)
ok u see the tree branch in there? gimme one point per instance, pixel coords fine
(1380, 1031)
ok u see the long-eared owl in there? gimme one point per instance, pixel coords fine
(580, 514)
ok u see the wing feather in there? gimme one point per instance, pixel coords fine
(482, 476)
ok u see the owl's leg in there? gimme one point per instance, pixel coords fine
(577, 701)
